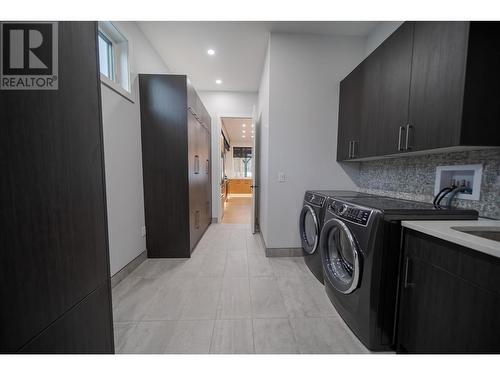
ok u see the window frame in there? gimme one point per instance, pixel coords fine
(111, 54)
(121, 53)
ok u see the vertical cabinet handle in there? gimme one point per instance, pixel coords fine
(207, 167)
(349, 150)
(407, 270)
(353, 149)
(400, 147)
(408, 128)
(197, 219)
(196, 164)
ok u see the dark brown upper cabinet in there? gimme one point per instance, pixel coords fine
(349, 113)
(430, 85)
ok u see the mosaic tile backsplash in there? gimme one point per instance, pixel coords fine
(412, 177)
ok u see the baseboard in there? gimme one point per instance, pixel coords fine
(272, 252)
(127, 270)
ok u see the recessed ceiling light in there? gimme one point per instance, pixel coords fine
(243, 125)
(218, 81)
(244, 131)
(243, 136)
(211, 52)
(252, 131)
(252, 125)
(252, 136)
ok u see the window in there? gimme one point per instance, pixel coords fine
(242, 162)
(106, 57)
(114, 58)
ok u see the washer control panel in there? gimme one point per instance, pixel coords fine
(315, 199)
(351, 213)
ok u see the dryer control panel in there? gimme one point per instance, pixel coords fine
(351, 213)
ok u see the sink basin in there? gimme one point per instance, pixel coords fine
(490, 233)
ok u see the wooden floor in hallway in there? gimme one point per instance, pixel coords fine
(238, 209)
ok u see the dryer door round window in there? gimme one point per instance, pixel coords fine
(309, 229)
(341, 257)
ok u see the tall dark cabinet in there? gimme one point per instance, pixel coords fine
(176, 140)
(54, 266)
(430, 85)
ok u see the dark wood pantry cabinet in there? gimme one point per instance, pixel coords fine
(176, 140)
(429, 86)
(449, 298)
(54, 261)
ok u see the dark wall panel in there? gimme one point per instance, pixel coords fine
(54, 248)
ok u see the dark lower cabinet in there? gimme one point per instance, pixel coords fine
(428, 86)
(54, 245)
(449, 298)
(84, 329)
(175, 130)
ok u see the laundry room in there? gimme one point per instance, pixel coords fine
(227, 187)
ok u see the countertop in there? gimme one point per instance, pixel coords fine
(445, 231)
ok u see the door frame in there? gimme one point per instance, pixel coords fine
(215, 165)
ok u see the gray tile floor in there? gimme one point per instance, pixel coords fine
(227, 298)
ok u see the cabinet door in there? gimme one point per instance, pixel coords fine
(370, 105)
(349, 113)
(85, 329)
(443, 313)
(449, 298)
(392, 96)
(194, 179)
(437, 84)
(54, 248)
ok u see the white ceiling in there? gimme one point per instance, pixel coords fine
(234, 128)
(240, 47)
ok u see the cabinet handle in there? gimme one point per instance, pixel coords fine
(196, 164)
(408, 128)
(401, 129)
(207, 167)
(407, 267)
(353, 150)
(349, 150)
(197, 219)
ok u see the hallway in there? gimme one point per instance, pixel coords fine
(227, 298)
(238, 209)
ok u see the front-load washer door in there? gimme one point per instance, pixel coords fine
(309, 229)
(341, 256)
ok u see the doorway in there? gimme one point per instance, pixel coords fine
(237, 149)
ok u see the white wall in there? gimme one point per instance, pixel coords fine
(224, 104)
(123, 155)
(262, 132)
(304, 76)
(380, 33)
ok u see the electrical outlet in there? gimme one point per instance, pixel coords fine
(281, 177)
(143, 231)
